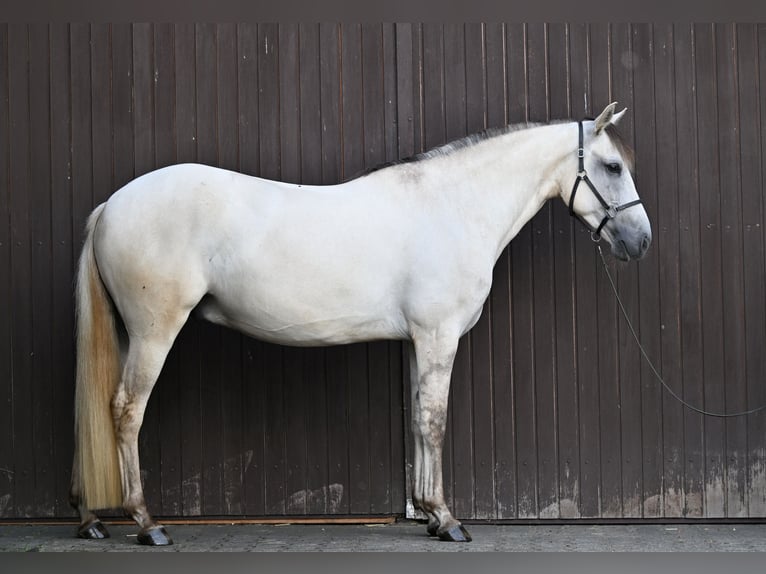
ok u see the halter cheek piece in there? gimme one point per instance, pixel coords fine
(582, 175)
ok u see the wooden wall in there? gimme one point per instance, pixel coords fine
(553, 413)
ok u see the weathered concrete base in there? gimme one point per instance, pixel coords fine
(405, 536)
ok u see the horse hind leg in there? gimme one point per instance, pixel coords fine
(145, 358)
(90, 527)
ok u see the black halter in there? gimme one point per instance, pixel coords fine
(582, 175)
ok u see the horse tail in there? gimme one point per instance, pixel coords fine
(98, 374)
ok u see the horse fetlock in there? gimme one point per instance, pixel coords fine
(433, 525)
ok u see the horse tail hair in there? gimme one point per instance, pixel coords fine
(98, 374)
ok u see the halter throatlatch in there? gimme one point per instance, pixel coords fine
(582, 175)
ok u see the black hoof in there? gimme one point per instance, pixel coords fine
(94, 530)
(455, 534)
(155, 536)
(432, 528)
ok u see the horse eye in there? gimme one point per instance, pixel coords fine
(615, 168)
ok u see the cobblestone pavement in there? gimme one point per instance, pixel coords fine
(403, 536)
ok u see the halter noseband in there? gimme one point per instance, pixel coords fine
(582, 175)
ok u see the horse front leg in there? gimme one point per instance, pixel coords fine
(431, 372)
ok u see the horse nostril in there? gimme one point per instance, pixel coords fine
(645, 243)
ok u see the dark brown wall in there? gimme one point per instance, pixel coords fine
(553, 413)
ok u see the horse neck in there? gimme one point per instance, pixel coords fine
(502, 182)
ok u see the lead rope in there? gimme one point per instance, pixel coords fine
(651, 365)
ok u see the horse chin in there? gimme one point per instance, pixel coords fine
(620, 251)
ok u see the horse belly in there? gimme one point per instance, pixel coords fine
(288, 321)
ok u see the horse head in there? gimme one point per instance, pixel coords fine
(607, 201)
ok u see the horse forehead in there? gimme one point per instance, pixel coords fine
(604, 146)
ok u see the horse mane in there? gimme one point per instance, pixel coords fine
(470, 140)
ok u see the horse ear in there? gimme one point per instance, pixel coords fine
(618, 116)
(605, 118)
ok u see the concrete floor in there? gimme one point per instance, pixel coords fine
(403, 536)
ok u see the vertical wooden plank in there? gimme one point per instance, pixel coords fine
(253, 384)
(663, 484)
(289, 105)
(391, 414)
(710, 259)
(512, 486)
(188, 341)
(247, 84)
(487, 483)
(406, 99)
(329, 51)
(101, 113)
(375, 149)
(206, 48)
(522, 301)
(732, 280)
(165, 152)
(269, 131)
(80, 143)
(660, 261)
(41, 285)
(624, 61)
(6, 307)
(751, 63)
(336, 375)
(586, 320)
(481, 342)
(290, 159)
(123, 144)
(23, 499)
(143, 97)
(169, 388)
(499, 297)
(63, 350)
(231, 353)
(313, 372)
(310, 112)
(566, 405)
(461, 400)
(352, 93)
(543, 289)
(688, 501)
(432, 72)
(144, 156)
(608, 374)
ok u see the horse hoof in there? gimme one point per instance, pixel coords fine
(94, 530)
(432, 528)
(155, 536)
(455, 534)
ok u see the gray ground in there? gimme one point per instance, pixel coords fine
(400, 537)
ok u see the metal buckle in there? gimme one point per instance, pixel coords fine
(612, 211)
(580, 152)
(595, 237)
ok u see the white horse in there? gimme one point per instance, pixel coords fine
(404, 252)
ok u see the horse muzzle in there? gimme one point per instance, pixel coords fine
(627, 246)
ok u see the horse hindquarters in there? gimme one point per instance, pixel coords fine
(110, 406)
